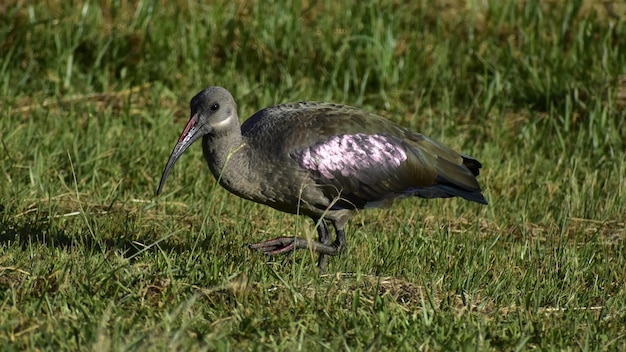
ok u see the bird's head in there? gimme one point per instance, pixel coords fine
(213, 111)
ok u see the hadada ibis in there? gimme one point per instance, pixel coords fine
(325, 161)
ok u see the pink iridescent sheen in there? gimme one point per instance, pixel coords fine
(343, 154)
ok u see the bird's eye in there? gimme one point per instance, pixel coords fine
(215, 106)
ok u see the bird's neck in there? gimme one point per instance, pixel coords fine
(227, 156)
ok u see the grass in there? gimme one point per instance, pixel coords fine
(94, 94)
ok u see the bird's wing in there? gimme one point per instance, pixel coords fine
(366, 169)
(363, 158)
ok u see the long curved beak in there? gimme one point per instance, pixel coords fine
(190, 134)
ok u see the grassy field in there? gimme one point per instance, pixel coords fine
(95, 94)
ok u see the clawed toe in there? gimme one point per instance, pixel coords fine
(279, 245)
(286, 245)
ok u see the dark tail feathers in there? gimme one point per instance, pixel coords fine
(472, 164)
(447, 191)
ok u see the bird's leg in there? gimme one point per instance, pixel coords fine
(340, 241)
(285, 245)
(324, 237)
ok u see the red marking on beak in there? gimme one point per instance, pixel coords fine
(192, 121)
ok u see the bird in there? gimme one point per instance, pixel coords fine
(321, 160)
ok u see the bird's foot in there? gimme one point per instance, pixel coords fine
(278, 245)
(282, 245)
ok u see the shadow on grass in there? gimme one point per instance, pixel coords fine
(25, 232)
